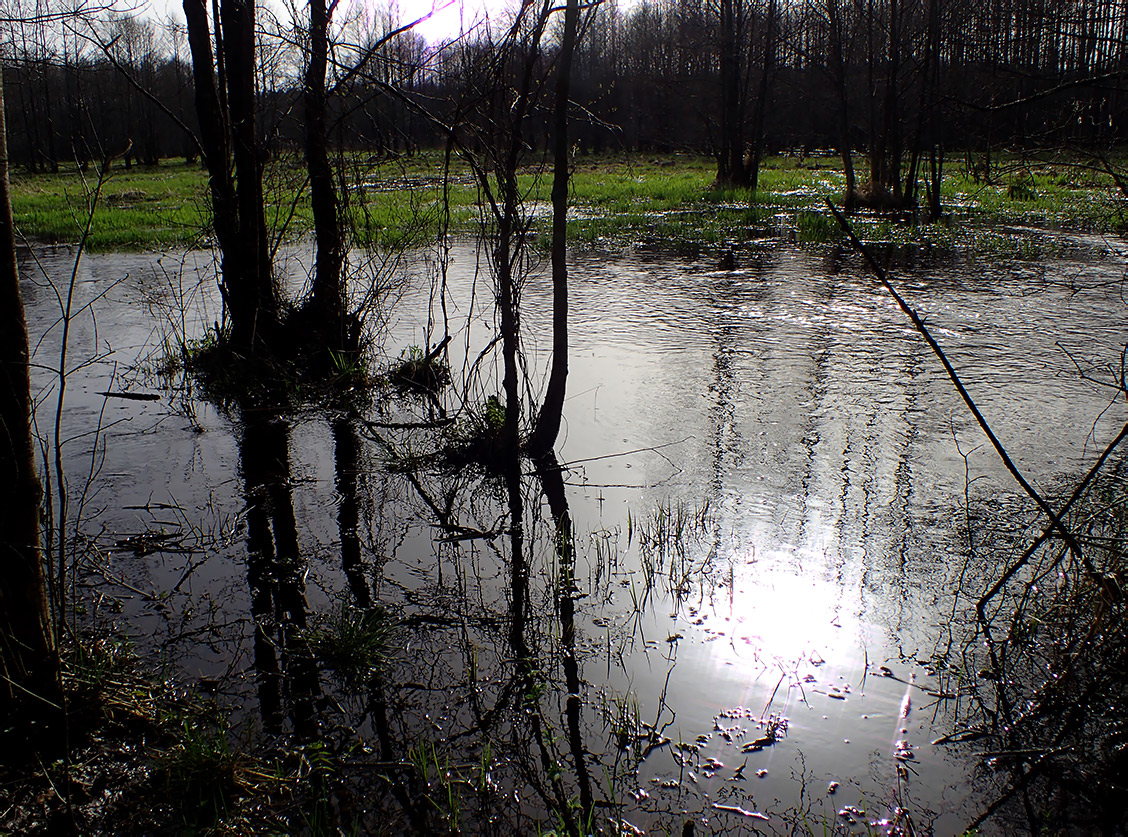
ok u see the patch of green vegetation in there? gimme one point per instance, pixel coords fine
(146, 756)
(354, 642)
(144, 206)
(815, 227)
(200, 771)
(306, 372)
(615, 198)
(420, 371)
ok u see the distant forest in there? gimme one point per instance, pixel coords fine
(900, 81)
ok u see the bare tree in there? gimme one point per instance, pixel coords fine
(226, 108)
(552, 409)
(328, 302)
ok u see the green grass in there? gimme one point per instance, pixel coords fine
(616, 199)
(143, 207)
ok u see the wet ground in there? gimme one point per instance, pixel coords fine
(771, 484)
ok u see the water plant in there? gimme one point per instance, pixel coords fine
(423, 371)
(353, 642)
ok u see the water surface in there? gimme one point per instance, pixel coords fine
(770, 480)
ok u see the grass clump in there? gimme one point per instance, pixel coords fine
(479, 438)
(305, 372)
(421, 371)
(353, 642)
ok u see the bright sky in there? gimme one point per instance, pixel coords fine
(450, 17)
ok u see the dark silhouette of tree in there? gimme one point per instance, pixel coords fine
(226, 109)
(328, 302)
(552, 409)
(30, 688)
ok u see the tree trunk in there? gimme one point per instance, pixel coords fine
(328, 300)
(258, 296)
(30, 688)
(731, 171)
(758, 116)
(552, 410)
(228, 134)
(838, 74)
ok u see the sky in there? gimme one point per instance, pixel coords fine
(448, 19)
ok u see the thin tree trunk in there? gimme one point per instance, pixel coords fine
(228, 134)
(552, 410)
(759, 114)
(838, 73)
(29, 662)
(215, 144)
(259, 297)
(328, 296)
(730, 160)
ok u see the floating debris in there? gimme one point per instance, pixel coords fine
(735, 712)
(132, 396)
(852, 814)
(736, 809)
(831, 788)
(903, 751)
(885, 671)
(961, 736)
(761, 773)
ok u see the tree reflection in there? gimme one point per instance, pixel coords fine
(288, 678)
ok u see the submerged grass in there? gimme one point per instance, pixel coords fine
(615, 199)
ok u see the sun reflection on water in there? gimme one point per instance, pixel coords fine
(782, 613)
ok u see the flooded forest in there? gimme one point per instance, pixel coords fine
(675, 417)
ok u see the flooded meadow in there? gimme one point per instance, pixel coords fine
(743, 599)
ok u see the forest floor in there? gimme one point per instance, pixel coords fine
(617, 200)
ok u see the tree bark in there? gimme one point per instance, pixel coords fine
(838, 74)
(234, 162)
(756, 153)
(259, 297)
(731, 171)
(30, 688)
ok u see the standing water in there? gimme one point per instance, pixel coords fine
(751, 626)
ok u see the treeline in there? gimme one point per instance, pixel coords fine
(901, 82)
